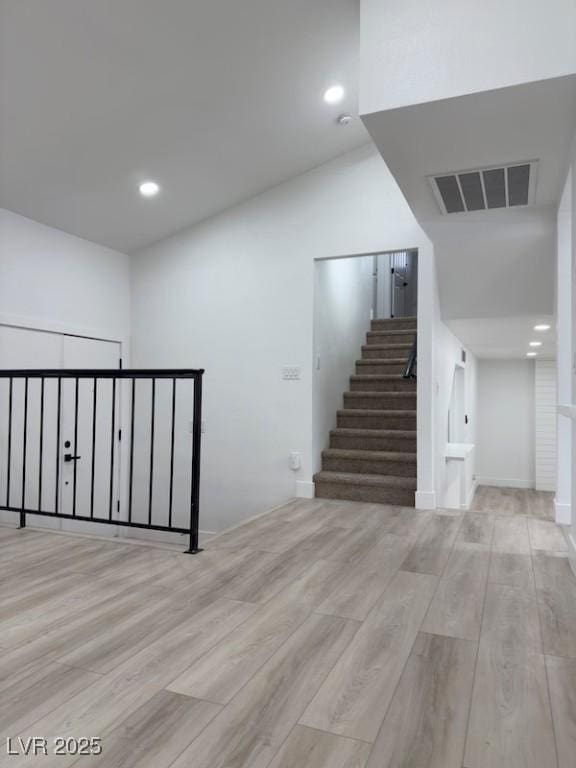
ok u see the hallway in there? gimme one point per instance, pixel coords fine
(324, 635)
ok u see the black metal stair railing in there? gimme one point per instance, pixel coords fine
(410, 370)
(62, 453)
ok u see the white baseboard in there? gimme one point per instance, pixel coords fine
(468, 503)
(425, 500)
(563, 514)
(305, 489)
(572, 550)
(505, 482)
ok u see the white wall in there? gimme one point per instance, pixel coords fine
(564, 344)
(475, 45)
(235, 295)
(448, 355)
(59, 282)
(505, 436)
(343, 294)
(566, 332)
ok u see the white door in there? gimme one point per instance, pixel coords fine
(89, 450)
(48, 481)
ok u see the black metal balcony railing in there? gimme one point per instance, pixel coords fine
(63, 451)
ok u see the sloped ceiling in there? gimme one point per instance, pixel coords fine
(216, 100)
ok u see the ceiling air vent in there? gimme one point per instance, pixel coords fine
(485, 188)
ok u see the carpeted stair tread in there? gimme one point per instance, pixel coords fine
(386, 481)
(400, 347)
(383, 361)
(344, 453)
(378, 377)
(393, 333)
(359, 432)
(372, 412)
(395, 324)
(395, 395)
(382, 383)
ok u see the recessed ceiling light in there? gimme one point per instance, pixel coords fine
(531, 354)
(149, 189)
(344, 119)
(334, 94)
(535, 343)
(542, 327)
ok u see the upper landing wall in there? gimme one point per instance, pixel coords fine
(415, 51)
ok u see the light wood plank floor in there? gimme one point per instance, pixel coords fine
(324, 635)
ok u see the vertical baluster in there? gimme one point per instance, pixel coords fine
(112, 444)
(171, 492)
(75, 471)
(58, 465)
(9, 446)
(131, 478)
(151, 479)
(41, 447)
(93, 467)
(195, 489)
(24, 456)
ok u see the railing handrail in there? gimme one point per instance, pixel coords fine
(101, 373)
(410, 365)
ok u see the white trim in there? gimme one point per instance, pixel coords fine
(572, 550)
(305, 489)
(563, 513)
(505, 482)
(468, 503)
(252, 518)
(425, 500)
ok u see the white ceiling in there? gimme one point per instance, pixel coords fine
(505, 337)
(497, 265)
(216, 100)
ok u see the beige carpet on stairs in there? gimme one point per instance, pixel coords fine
(372, 452)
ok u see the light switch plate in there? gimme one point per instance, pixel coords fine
(291, 373)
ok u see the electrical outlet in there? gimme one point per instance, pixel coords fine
(295, 460)
(291, 373)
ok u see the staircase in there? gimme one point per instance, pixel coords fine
(372, 453)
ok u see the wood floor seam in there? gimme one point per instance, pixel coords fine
(548, 692)
(478, 648)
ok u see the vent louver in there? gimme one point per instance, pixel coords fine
(485, 188)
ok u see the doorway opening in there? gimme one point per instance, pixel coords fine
(364, 386)
(395, 289)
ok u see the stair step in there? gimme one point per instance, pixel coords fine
(376, 419)
(373, 439)
(395, 324)
(391, 337)
(380, 489)
(386, 401)
(386, 351)
(386, 382)
(397, 365)
(391, 463)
